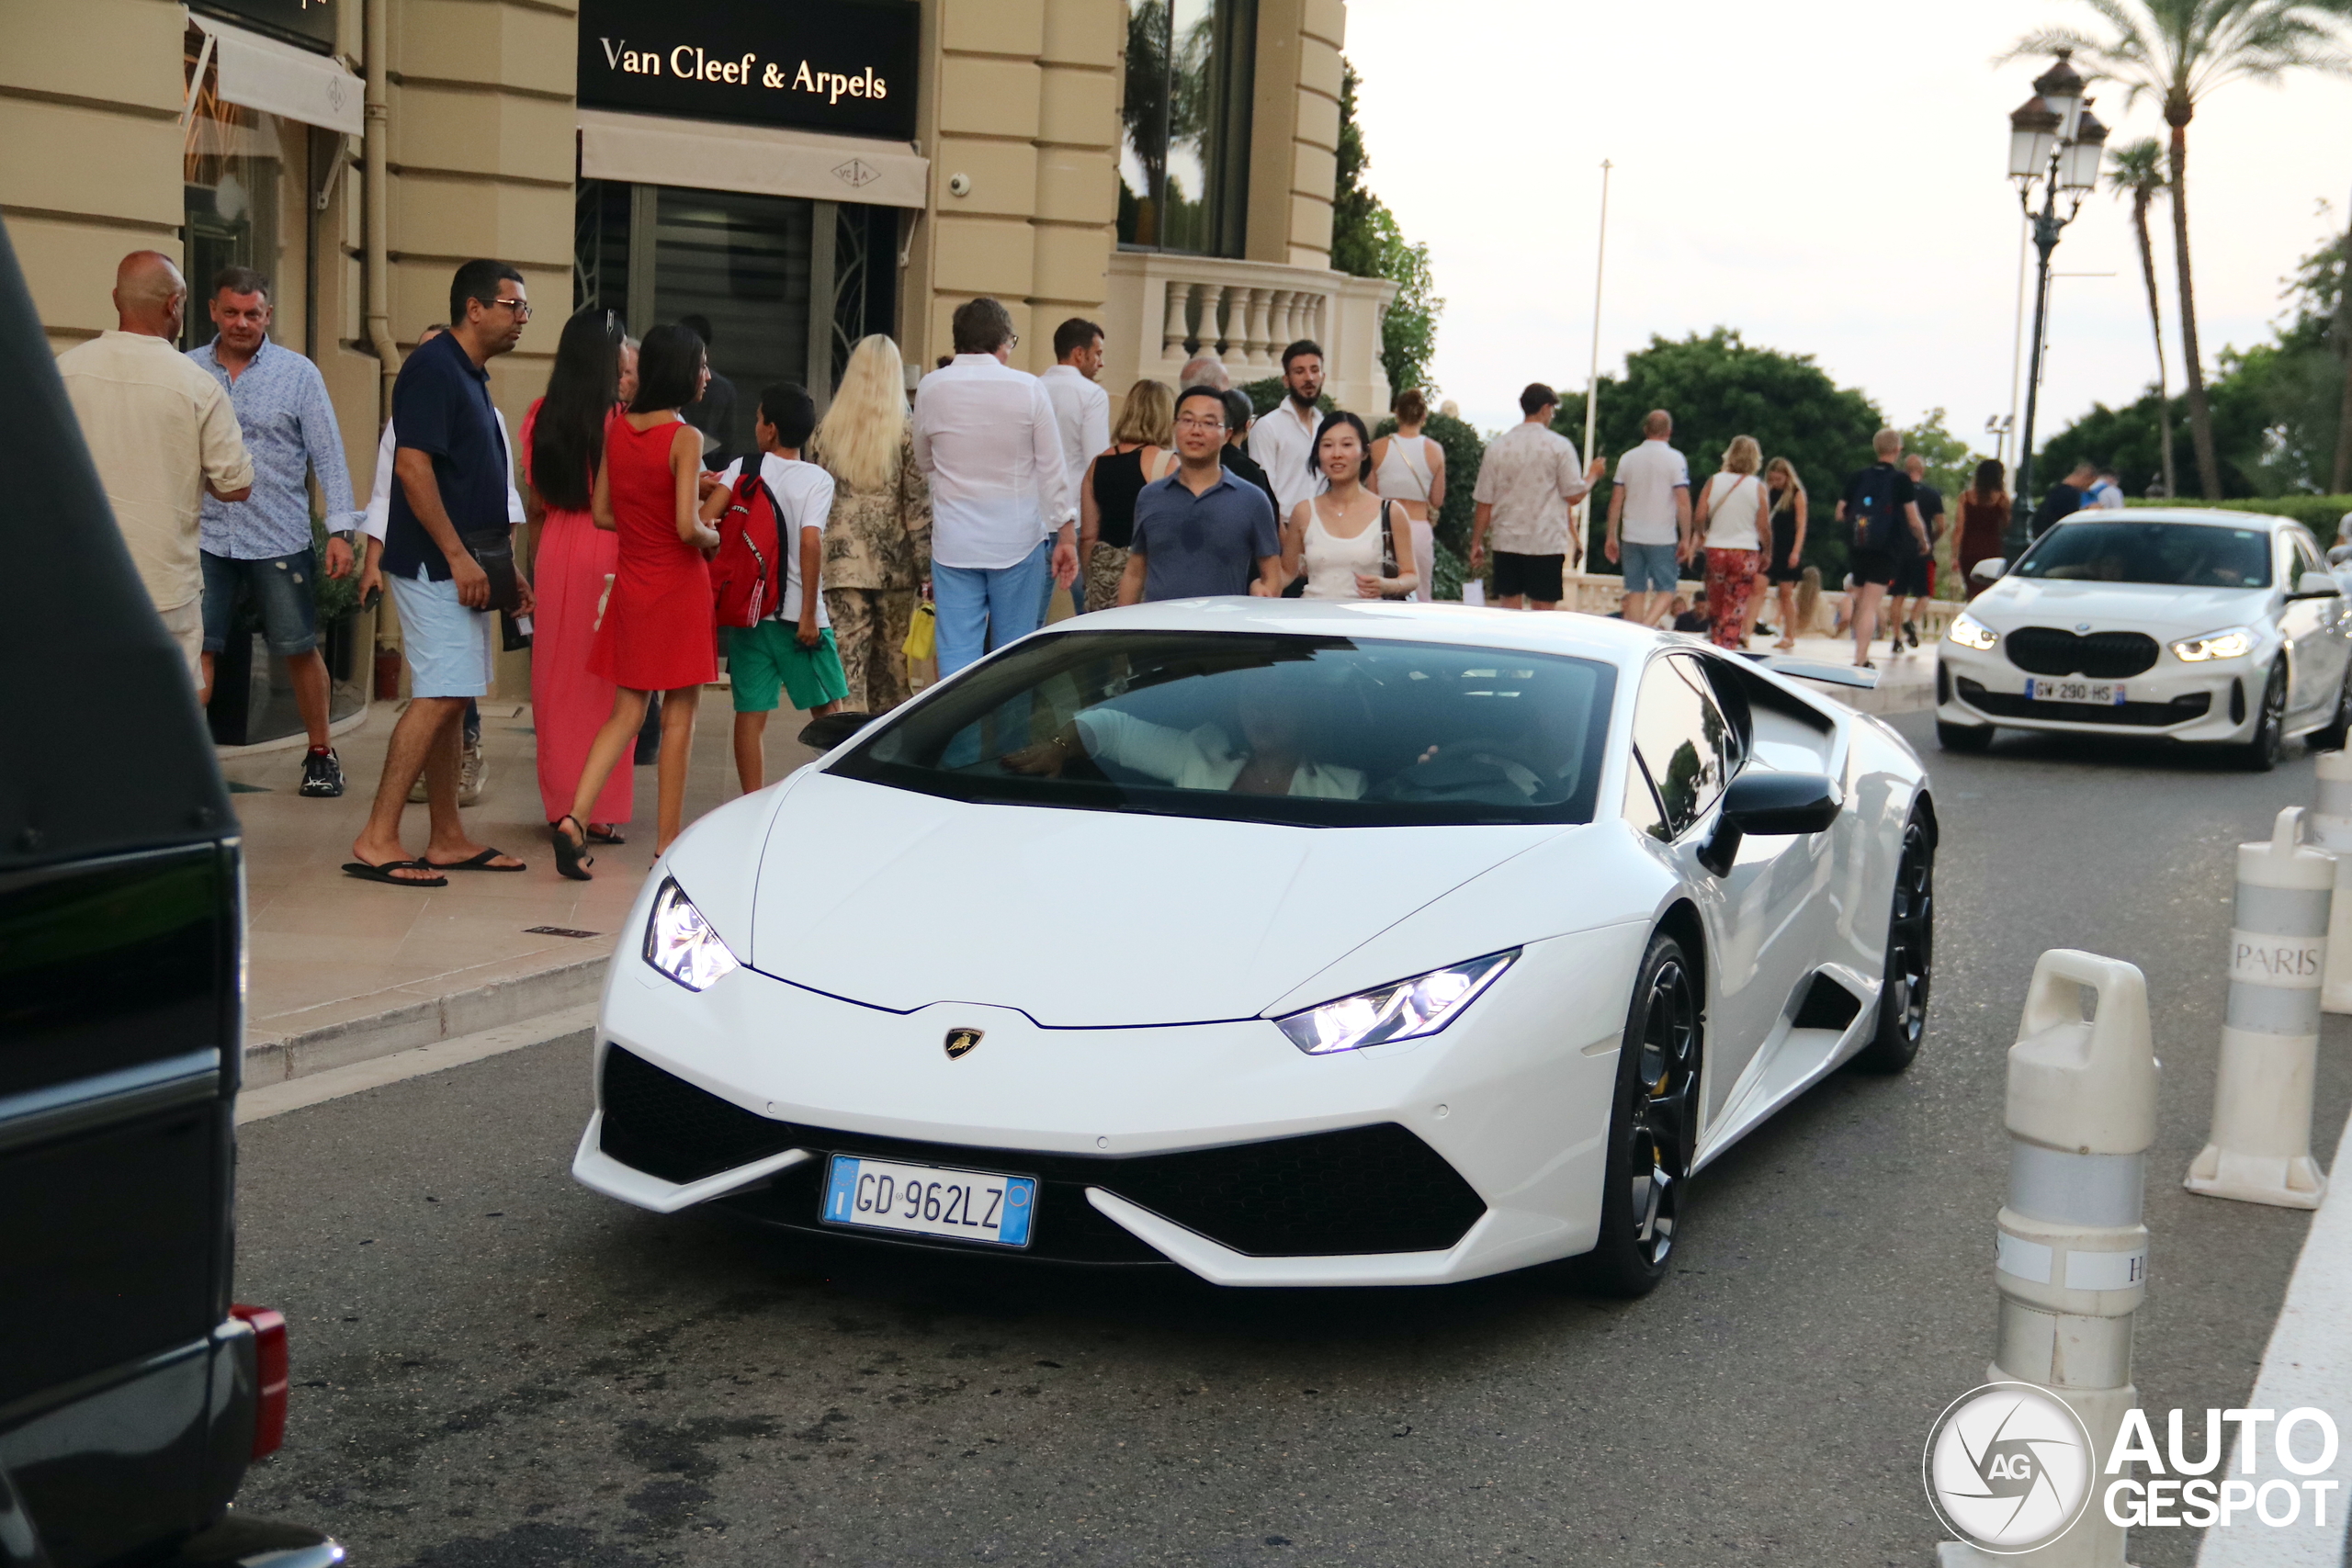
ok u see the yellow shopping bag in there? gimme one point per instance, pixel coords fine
(923, 636)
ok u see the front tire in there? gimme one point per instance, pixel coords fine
(2269, 746)
(1653, 1126)
(1963, 737)
(1910, 955)
(2331, 736)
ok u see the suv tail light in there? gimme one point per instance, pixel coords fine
(271, 1373)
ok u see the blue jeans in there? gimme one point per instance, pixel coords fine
(1649, 568)
(281, 589)
(981, 608)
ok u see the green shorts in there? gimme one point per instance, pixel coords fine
(764, 658)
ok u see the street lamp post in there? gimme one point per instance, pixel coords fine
(2055, 145)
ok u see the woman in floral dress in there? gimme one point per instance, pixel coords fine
(877, 541)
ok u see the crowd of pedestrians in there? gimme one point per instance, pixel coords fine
(982, 492)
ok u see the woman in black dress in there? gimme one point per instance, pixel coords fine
(1139, 454)
(1784, 568)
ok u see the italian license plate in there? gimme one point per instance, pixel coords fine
(2099, 693)
(930, 1199)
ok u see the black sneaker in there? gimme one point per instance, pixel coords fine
(322, 774)
(1911, 634)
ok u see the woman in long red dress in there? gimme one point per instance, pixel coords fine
(1983, 523)
(564, 441)
(658, 632)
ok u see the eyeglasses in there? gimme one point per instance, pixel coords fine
(1200, 425)
(521, 308)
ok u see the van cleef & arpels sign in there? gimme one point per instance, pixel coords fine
(839, 65)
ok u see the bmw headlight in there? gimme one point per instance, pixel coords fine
(1970, 632)
(2235, 643)
(682, 944)
(1404, 1009)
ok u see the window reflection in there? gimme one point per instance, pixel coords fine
(1185, 142)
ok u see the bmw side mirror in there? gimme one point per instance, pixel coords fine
(1770, 806)
(1989, 570)
(2316, 585)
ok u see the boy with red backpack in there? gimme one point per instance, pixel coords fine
(771, 522)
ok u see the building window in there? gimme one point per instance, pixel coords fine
(230, 165)
(1184, 149)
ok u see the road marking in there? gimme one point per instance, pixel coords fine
(2308, 1362)
(276, 1100)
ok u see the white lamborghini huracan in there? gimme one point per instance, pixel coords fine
(1291, 942)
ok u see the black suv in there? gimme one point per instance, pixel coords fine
(134, 1392)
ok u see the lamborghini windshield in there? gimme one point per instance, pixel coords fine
(1321, 731)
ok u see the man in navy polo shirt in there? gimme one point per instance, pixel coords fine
(1200, 531)
(451, 468)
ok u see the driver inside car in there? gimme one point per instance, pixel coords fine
(1271, 759)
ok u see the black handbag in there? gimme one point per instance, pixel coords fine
(493, 551)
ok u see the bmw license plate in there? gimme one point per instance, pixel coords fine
(929, 1199)
(2099, 693)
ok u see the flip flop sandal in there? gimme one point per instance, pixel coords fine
(597, 835)
(570, 858)
(366, 873)
(479, 862)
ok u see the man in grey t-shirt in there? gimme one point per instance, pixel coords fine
(1201, 532)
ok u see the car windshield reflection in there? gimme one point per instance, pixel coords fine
(2172, 555)
(1313, 730)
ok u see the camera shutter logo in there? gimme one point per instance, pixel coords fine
(2008, 1468)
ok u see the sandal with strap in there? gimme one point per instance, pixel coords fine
(570, 854)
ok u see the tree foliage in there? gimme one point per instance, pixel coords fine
(1367, 241)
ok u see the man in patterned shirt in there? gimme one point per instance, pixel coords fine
(260, 548)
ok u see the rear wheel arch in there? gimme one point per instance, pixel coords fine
(1681, 922)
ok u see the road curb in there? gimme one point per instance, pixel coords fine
(275, 1056)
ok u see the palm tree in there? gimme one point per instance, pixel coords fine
(2138, 172)
(2177, 52)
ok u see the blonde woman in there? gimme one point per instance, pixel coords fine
(877, 541)
(1783, 566)
(1408, 469)
(1730, 514)
(1139, 454)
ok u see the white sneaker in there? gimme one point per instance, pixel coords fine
(473, 775)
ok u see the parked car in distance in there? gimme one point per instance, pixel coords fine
(134, 1391)
(2213, 628)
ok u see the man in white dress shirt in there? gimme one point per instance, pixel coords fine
(1002, 515)
(1282, 441)
(1082, 416)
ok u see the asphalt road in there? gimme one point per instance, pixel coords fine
(496, 1368)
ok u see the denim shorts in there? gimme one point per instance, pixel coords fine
(282, 589)
(1649, 568)
(449, 648)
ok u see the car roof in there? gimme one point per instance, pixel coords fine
(1572, 633)
(2208, 515)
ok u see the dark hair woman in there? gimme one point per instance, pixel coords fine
(1408, 469)
(564, 441)
(1337, 540)
(658, 632)
(1984, 520)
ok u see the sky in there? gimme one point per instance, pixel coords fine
(1829, 178)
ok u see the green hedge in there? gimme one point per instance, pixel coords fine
(2319, 514)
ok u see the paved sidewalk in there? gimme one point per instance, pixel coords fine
(341, 970)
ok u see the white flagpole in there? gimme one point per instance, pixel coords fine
(1592, 371)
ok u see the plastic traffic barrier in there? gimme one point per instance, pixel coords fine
(2072, 1254)
(2329, 827)
(2260, 1148)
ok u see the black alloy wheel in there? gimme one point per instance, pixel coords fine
(1910, 956)
(2268, 745)
(1654, 1127)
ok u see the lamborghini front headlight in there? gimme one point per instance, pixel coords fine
(1403, 1009)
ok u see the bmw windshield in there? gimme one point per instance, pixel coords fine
(1317, 731)
(2173, 555)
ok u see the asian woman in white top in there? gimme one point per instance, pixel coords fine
(1731, 515)
(1408, 469)
(1336, 539)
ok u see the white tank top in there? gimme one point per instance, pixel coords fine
(1332, 562)
(1404, 469)
(1735, 512)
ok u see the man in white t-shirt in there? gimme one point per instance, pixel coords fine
(791, 653)
(1649, 519)
(1282, 441)
(1081, 418)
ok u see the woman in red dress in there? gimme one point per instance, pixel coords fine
(564, 441)
(1983, 523)
(658, 631)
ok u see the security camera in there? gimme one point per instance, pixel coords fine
(959, 184)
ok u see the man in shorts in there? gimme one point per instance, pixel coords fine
(1915, 569)
(791, 653)
(1528, 479)
(1649, 519)
(1879, 501)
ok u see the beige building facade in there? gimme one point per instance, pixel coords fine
(789, 174)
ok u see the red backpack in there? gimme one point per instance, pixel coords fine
(747, 575)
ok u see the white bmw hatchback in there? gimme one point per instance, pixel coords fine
(2219, 628)
(1289, 943)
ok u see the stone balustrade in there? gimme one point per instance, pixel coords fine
(1163, 309)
